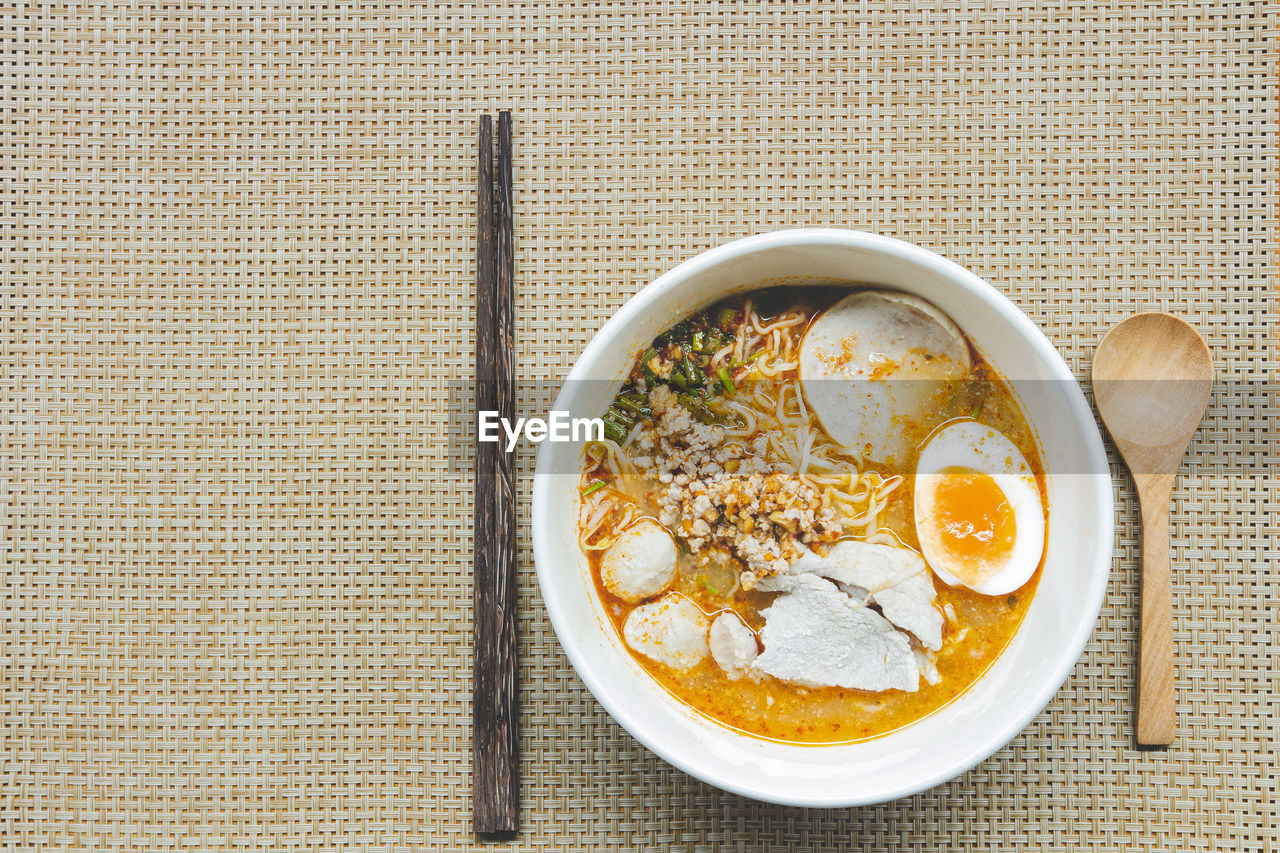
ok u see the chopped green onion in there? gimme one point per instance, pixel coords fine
(634, 407)
(694, 373)
(677, 379)
(725, 318)
(697, 408)
(594, 487)
(620, 417)
(697, 341)
(616, 428)
(726, 381)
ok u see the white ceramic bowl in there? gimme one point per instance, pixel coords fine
(1025, 676)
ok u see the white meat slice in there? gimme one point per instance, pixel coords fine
(897, 579)
(671, 631)
(928, 663)
(776, 583)
(733, 644)
(817, 636)
(641, 563)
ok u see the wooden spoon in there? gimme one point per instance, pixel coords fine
(1152, 376)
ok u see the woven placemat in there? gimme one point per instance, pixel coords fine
(236, 297)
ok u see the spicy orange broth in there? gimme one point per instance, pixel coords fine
(778, 710)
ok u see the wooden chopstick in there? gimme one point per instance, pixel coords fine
(495, 697)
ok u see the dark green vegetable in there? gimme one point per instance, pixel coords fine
(616, 423)
(697, 408)
(619, 417)
(726, 382)
(632, 406)
(686, 350)
(694, 374)
(676, 334)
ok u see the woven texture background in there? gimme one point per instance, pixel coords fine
(237, 295)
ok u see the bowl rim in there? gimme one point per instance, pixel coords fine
(1101, 487)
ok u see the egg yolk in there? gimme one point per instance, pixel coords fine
(976, 526)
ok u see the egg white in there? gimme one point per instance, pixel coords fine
(978, 447)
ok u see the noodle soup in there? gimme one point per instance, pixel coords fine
(817, 514)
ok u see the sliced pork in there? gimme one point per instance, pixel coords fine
(896, 579)
(819, 636)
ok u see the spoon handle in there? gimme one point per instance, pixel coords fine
(1156, 715)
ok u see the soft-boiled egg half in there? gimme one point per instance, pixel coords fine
(979, 517)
